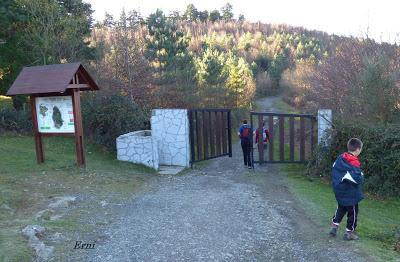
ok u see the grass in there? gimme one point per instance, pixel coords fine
(378, 219)
(5, 102)
(281, 106)
(27, 188)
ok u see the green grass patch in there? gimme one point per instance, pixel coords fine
(14, 248)
(5, 102)
(378, 219)
(62, 224)
(27, 188)
(283, 107)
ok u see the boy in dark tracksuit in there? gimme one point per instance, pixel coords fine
(245, 133)
(347, 179)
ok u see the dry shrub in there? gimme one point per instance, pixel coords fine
(296, 81)
(264, 84)
(359, 80)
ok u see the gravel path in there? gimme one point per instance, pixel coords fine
(220, 212)
(267, 103)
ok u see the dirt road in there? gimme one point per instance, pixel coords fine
(220, 212)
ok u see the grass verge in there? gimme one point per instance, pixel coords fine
(282, 106)
(5, 102)
(378, 219)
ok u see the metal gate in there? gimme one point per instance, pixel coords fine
(294, 134)
(210, 134)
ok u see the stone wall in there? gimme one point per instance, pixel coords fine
(138, 147)
(170, 130)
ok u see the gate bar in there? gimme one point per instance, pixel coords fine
(279, 114)
(281, 138)
(271, 139)
(190, 113)
(303, 136)
(302, 139)
(260, 139)
(229, 133)
(291, 138)
(208, 142)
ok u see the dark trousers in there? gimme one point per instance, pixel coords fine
(352, 212)
(246, 147)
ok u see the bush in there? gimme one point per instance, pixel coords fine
(264, 85)
(107, 115)
(380, 158)
(15, 121)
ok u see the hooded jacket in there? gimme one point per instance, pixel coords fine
(347, 179)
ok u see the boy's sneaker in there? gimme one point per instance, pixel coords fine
(249, 167)
(350, 236)
(333, 231)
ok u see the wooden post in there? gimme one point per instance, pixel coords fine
(211, 132)
(302, 139)
(205, 135)
(312, 136)
(260, 143)
(281, 138)
(229, 133)
(36, 133)
(218, 133)
(251, 141)
(76, 104)
(291, 139)
(271, 137)
(198, 138)
(191, 130)
(224, 129)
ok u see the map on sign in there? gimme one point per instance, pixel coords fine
(55, 114)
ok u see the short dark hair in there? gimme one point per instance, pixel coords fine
(353, 144)
(244, 121)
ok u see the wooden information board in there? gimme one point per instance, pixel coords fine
(55, 102)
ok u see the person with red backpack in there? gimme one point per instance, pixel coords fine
(245, 134)
(265, 136)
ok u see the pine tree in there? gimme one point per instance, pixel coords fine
(227, 13)
(240, 81)
(166, 45)
(214, 16)
(211, 78)
(191, 14)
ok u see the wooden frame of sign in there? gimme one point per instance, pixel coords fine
(64, 90)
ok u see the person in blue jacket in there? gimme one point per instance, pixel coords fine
(245, 134)
(347, 179)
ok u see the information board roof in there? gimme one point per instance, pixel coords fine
(55, 78)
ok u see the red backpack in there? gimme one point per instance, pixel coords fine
(246, 133)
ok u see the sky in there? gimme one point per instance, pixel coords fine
(379, 19)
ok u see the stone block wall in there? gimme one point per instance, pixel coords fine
(170, 130)
(138, 147)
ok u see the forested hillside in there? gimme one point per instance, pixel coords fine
(218, 61)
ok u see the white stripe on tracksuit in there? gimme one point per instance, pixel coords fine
(337, 224)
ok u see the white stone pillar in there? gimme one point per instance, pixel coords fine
(324, 124)
(170, 129)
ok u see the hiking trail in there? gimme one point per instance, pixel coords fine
(220, 212)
